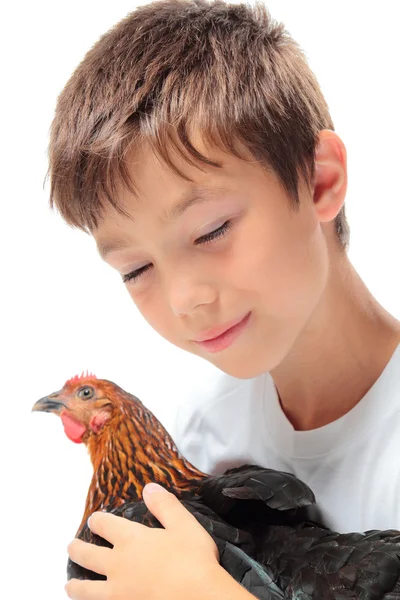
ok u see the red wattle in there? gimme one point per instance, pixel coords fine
(73, 429)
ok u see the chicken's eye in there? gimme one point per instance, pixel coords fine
(86, 392)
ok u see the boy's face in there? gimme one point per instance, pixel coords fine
(271, 262)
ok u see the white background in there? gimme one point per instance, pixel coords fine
(63, 310)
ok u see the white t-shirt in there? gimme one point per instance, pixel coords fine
(352, 465)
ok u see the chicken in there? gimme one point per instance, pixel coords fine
(256, 516)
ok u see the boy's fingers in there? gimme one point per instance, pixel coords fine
(90, 556)
(112, 528)
(167, 508)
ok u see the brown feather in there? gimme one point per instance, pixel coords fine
(132, 449)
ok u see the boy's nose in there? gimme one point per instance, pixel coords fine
(185, 297)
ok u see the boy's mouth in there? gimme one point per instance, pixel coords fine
(225, 339)
(211, 334)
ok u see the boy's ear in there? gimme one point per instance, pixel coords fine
(330, 181)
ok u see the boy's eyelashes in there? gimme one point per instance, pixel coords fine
(204, 239)
(134, 275)
(215, 234)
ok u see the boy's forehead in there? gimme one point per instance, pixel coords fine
(158, 189)
(151, 173)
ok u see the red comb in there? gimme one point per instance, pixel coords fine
(82, 377)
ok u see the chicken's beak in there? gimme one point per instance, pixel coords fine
(53, 403)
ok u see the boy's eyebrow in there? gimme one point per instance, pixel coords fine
(197, 195)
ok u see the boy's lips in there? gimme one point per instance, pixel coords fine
(215, 332)
(225, 339)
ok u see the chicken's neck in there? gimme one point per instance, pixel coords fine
(132, 450)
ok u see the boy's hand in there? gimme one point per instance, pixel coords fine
(180, 561)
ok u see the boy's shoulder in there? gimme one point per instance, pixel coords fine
(223, 408)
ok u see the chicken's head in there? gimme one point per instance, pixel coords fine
(82, 404)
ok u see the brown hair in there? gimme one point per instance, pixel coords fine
(228, 70)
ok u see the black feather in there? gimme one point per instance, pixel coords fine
(268, 546)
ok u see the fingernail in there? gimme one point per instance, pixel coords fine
(151, 488)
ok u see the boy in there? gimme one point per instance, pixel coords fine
(193, 142)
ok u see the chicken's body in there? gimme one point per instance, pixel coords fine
(256, 516)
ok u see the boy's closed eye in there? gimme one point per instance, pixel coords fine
(204, 239)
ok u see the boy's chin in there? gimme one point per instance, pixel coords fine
(242, 367)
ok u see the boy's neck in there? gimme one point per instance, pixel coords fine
(340, 354)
